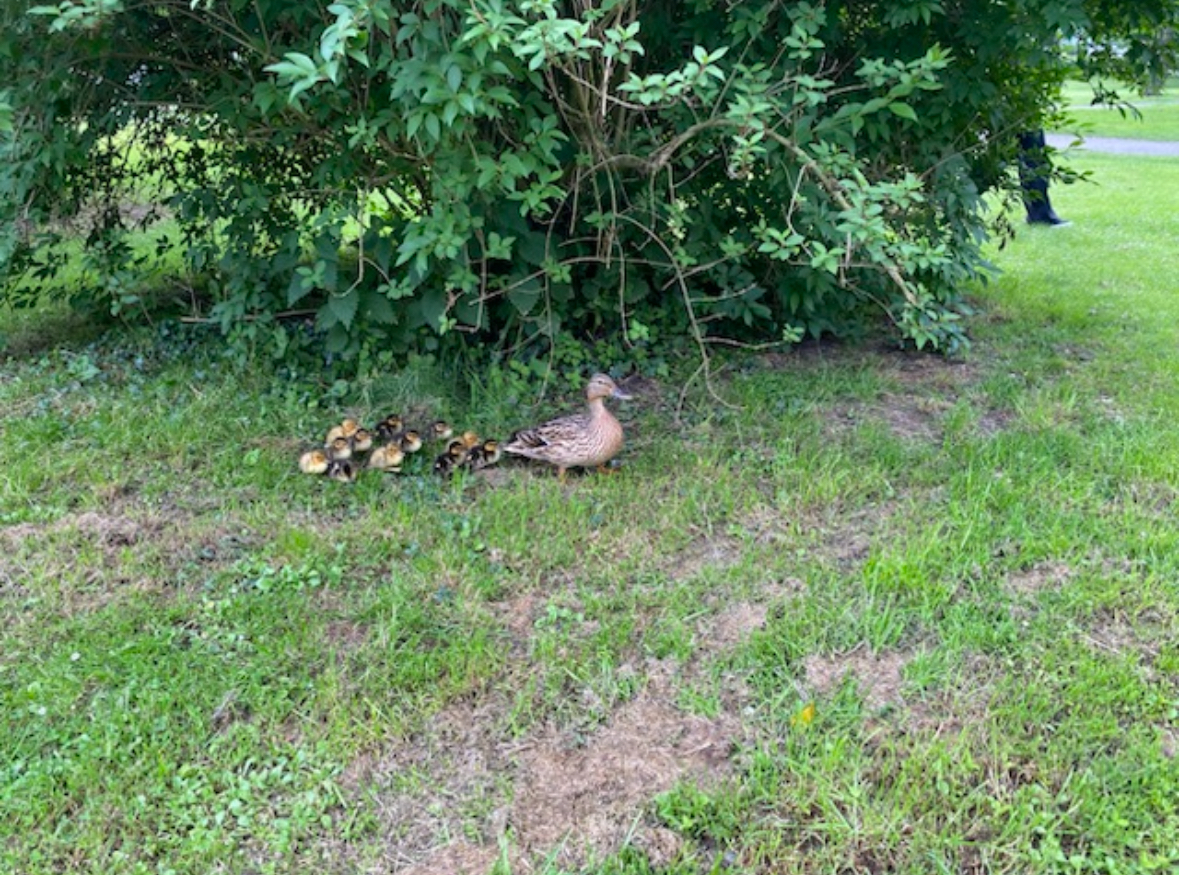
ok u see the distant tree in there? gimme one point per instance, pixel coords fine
(517, 169)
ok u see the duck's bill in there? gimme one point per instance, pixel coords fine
(620, 395)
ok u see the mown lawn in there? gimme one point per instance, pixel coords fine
(1158, 119)
(889, 613)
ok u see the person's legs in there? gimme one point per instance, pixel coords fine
(1033, 179)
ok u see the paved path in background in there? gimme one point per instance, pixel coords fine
(1165, 148)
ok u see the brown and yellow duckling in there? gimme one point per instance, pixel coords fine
(588, 439)
(340, 448)
(345, 429)
(410, 441)
(388, 458)
(314, 462)
(362, 440)
(484, 455)
(454, 458)
(440, 430)
(389, 428)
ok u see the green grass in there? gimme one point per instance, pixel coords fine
(888, 614)
(1158, 119)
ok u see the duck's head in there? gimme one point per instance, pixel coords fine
(441, 431)
(601, 386)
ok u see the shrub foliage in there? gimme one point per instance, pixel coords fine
(512, 169)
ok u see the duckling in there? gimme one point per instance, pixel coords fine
(454, 458)
(441, 430)
(340, 448)
(390, 427)
(350, 427)
(410, 441)
(362, 441)
(342, 470)
(313, 462)
(485, 454)
(448, 463)
(387, 458)
(458, 450)
(588, 439)
(334, 433)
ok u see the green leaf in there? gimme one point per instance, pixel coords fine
(343, 307)
(524, 296)
(903, 110)
(432, 307)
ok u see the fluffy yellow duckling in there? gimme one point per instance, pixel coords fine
(313, 462)
(342, 470)
(588, 439)
(441, 431)
(350, 427)
(410, 441)
(362, 440)
(340, 448)
(334, 433)
(387, 458)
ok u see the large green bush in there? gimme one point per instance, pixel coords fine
(512, 169)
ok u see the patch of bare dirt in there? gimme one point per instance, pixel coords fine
(909, 417)
(877, 675)
(109, 530)
(920, 370)
(845, 535)
(572, 800)
(707, 552)
(457, 858)
(736, 621)
(995, 421)
(1168, 742)
(1041, 576)
(1118, 633)
(559, 794)
(439, 783)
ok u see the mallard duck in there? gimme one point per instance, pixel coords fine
(485, 454)
(350, 427)
(362, 441)
(588, 439)
(390, 428)
(410, 441)
(342, 470)
(340, 448)
(387, 458)
(313, 462)
(441, 430)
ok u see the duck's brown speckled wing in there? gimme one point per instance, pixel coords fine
(538, 442)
